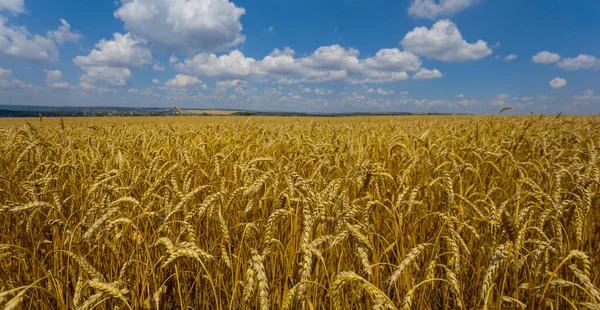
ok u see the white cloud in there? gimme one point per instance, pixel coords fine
(63, 33)
(232, 83)
(53, 76)
(122, 51)
(270, 29)
(234, 64)
(393, 60)
(149, 92)
(104, 76)
(511, 57)
(14, 83)
(500, 100)
(314, 76)
(558, 83)
(460, 96)
(4, 73)
(497, 44)
(17, 42)
(427, 74)
(158, 67)
(14, 6)
(466, 102)
(545, 57)
(385, 92)
(433, 8)
(60, 85)
(182, 25)
(588, 95)
(281, 62)
(7, 82)
(133, 90)
(444, 42)
(183, 81)
(306, 90)
(323, 91)
(54, 79)
(333, 57)
(88, 86)
(580, 62)
(382, 77)
(286, 81)
(326, 64)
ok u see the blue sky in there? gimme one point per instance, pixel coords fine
(462, 56)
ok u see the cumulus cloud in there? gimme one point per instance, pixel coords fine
(381, 77)
(323, 91)
(546, 57)
(183, 81)
(184, 26)
(4, 73)
(122, 51)
(305, 89)
(158, 67)
(232, 83)
(325, 64)
(53, 76)
(433, 8)
(427, 74)
(13, 6)
(444, 42)
(64, 33)
(7, 82)
(588, 95)
(580, 62)
(500, 100)
(393, 60)
(385, 92)
(60, 85)
(133, 90)
(54, 79)
(17, 42)
(511, 57)
(333, 57)
(558, 83)
(231, 65)
(466, 102)
(281, 62)
(104, 76)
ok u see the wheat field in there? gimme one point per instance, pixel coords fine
(300, 213)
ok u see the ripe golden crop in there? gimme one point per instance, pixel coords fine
(300, 213)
